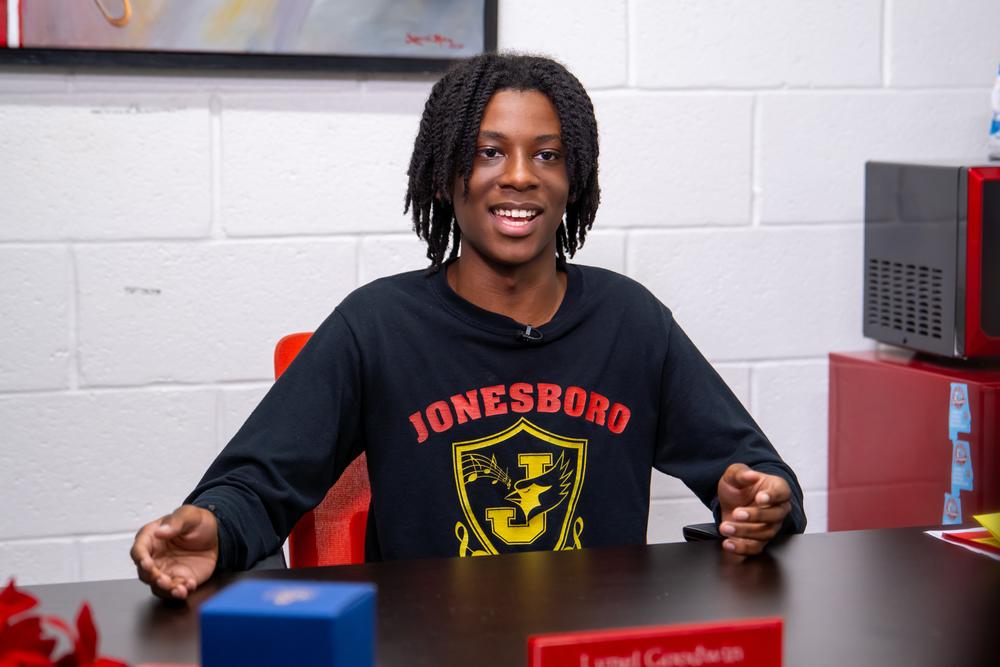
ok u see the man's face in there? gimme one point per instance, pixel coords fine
(518, 187)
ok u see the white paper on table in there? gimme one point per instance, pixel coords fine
(940, 535)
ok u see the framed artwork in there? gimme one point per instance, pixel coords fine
(374, 35)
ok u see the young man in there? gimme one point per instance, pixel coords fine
(506, 399)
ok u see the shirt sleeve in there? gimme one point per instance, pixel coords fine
(703, 428)
(290, 451)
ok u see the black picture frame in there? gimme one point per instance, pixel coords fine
(204, 60)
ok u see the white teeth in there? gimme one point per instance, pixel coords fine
(516, 212)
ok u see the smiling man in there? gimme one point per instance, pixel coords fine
(507, 400)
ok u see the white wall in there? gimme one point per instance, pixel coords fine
(157, 232)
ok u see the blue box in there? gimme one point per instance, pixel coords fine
(271, 622)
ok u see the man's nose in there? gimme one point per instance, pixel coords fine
(519, 172)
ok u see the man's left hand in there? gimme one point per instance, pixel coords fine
(753, 505)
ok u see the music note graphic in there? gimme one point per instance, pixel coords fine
(475, 466)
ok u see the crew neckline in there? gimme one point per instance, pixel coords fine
(503, 325)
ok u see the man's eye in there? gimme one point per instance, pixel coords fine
(548, 156)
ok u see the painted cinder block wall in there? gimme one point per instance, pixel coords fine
(159, 231)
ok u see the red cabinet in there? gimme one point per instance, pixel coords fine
(890, 455)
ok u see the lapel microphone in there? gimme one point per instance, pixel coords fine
(530, 335)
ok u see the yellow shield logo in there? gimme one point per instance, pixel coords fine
(518, 490)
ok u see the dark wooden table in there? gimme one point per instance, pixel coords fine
(884, 597)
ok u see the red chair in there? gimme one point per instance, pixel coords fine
(333, 533)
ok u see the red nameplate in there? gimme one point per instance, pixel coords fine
(750, 643)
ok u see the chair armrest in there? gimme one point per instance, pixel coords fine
(701, 532)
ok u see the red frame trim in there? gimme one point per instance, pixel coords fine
(3, 23)
(977, 342)
(5, 6)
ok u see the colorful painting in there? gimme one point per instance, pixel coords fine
(434, 30)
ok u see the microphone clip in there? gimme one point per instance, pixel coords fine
(530, 335)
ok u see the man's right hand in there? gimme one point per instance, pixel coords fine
(177, 553)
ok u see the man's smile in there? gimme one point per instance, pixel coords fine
(515, 219)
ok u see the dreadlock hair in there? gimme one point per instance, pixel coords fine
(449, 130)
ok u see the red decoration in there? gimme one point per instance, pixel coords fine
(31, 641)
(12, 602)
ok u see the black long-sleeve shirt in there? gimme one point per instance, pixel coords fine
(483, 436)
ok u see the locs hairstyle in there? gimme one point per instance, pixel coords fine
(449, 130)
